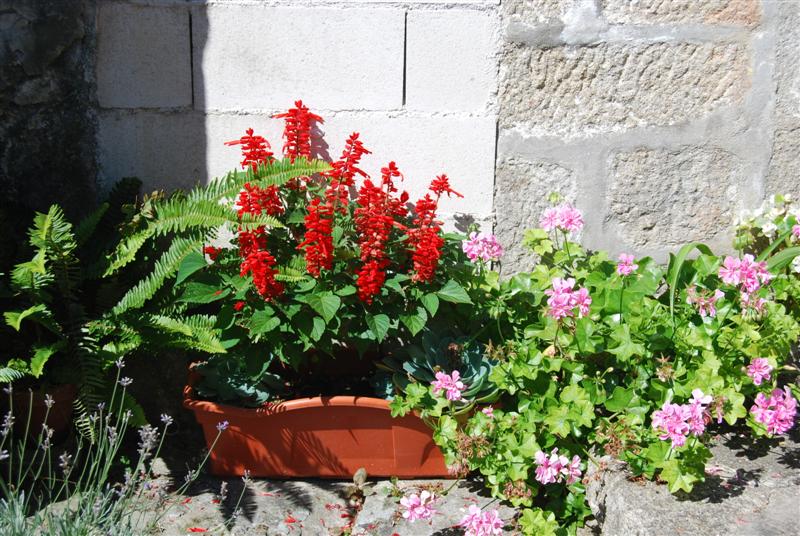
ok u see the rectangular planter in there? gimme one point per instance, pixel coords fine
(325, 437)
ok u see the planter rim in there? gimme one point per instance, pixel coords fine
(190, 402)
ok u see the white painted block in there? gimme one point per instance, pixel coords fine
(164, 150)
(450, 62)
(422, 148)
(143, 56)
(255, 57)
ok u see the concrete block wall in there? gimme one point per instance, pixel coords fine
(660, 119)
(417, 79)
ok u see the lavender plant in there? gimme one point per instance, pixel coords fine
(75, 492)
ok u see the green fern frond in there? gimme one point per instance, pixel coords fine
(290, 275)
(127, 249)
(87, 226)
(8, 374)
(166, 266)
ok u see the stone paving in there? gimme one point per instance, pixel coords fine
(318, 508)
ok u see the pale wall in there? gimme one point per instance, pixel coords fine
(660, 119)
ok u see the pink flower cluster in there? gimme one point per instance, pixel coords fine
(677, 421)
(704, 301)
(551, 469)
(482, 246)
(626, 265)
(418, 506)
(745, 272)
(759, 369)
(796, 231)
(564, 217)
(563, 300)
(777, 412)
(450, 384)
(479, 523)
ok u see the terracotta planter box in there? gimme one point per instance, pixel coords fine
(327, 437)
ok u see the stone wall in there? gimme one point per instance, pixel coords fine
(660, 119)
(47, 133)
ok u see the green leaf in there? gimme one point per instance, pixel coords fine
(40, 356)
(619, 400)
(191, 263)
(318, 329)
(676, 265)
(263, 322)
(15, 318)
(415, 322)
(379, 325)
(202, 293)
(454, 293)
(431, 303)
(676, 478)
(347, 290)
(536, 521)
(782, 259)
(325, 304)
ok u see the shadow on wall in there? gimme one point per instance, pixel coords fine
(46, 131)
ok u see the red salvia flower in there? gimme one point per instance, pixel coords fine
(255, 200)
(212, 252)
(252, 241)
(318, 240)
(297, 131)
(261, 265)
(343, 171)
(238, 306)
(255, 150)
(424, 237)
(374, 219)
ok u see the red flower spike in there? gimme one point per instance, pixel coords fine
(212, 252)
(375, 218)
(261, 265)
(441, 185)
(297, 130)
(255, 200)
(238, 306)
(318, 240)
(255, 150)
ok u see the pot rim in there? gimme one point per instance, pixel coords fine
(273, 408)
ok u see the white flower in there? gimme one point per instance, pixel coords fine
(796, 265)
(769, 229)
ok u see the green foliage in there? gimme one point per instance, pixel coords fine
(589, 384)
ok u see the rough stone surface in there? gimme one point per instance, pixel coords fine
(143, 56)
(783, 176)
(332, 58)
(750, 489)
(671, 197)
(725, 12)
(466, 80)
(382, 515)
(611, 87)
(46, 131)
(522, 190)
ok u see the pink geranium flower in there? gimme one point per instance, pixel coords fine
(572, 470)
(488, 411)
(705, 302)
(450, 384)
(796, 231)
(418, 506)
(777, 412)
(747, 273)
(677, 421)
(759, 370)
(482, 246)
(563, 300)
(626, 265)
(479, 523)
(564, 217)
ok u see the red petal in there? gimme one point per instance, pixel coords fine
(197, 529)
(290, 519)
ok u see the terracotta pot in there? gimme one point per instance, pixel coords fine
(60, 416)
(325, 437)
